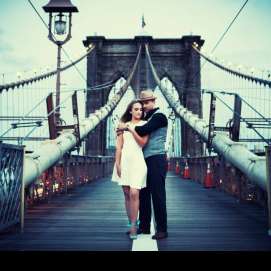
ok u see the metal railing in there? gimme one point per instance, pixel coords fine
(11, 185)
(225, 177)
(67, 174)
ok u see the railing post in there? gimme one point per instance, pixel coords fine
(66, 164)
(234, 134)
(22, 206)
(268, 184)
(211, 131)
(51, 116)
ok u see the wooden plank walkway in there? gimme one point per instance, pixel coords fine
(92, 218)
(202, 219)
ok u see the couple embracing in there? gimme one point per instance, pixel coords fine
(141, 165)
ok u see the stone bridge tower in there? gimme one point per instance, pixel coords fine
(172, 58)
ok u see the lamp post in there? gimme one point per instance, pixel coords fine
(58, 11)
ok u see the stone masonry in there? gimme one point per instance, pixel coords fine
(172, 58)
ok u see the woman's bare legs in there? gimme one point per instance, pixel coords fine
(134, 207)
(126, 191)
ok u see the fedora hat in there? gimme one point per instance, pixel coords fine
(146, 95)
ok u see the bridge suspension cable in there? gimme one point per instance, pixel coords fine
(231, 71)
(41, 120)
(228, 28)
(97, 87)
(43, 76)
(51, 151)
(249, 124)
(30, 111)
(225, 32)
(236, 153)
(25, 116)
(243, 100)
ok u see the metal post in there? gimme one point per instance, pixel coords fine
(66, 165)
(211, 131)
(57, 114)
(22, 197)
(76, 120)
(22, 207)
(50, 186)
(236, 118)
(51, 117)
(268, 184)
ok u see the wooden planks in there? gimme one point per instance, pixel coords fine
(93, 218)
(202, 219)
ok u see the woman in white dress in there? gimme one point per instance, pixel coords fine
(130, 170)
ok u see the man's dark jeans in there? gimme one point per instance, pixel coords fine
(157, 170)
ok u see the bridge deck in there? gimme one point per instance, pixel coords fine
(92, 218)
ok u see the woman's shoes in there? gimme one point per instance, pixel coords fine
(129, 225)
(137, 223)
(133, 231)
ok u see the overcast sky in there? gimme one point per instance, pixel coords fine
(24, 45)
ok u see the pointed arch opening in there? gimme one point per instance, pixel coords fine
(174, 138)
(113, 120)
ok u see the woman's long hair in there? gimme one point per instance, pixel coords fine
(127, 116)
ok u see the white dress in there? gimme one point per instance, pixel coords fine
(133, 166)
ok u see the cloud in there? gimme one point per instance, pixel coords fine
(10, 60)
(12, 63)
(5, 47)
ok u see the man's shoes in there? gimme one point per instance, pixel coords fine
(140, 231)
(160, 235)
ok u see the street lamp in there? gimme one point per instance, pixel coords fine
(58, 11)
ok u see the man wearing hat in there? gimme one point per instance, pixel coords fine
(155, 157)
